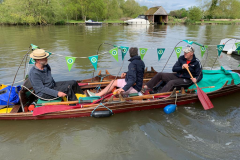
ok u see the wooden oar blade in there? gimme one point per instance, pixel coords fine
(204, 99)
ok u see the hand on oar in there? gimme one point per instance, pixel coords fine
(204, 99)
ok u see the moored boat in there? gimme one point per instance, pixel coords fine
(230, 47)
(92, 23)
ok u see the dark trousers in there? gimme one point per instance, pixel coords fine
(171, 81)
(68, 87)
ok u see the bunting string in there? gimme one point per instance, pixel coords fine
(143, 51)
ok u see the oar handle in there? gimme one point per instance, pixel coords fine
(191, 75)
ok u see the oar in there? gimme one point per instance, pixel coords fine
(204, 99)
(96, 83)
(152, 96)
(49, 108)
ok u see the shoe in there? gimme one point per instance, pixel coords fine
(90, 94)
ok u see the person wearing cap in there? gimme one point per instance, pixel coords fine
(180, 77)
(43, 83)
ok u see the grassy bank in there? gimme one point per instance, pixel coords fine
(218, 22)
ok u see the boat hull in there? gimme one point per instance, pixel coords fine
(121, 107)
(93, 23)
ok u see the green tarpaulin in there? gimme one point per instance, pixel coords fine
(216, 78)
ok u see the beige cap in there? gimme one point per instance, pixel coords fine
(39, 54)
(189, 49)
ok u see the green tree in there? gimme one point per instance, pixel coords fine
(97, 9)
(195, 13)
(179, 13)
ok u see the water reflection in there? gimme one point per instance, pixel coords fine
(189, 133)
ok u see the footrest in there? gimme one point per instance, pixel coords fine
(88, 99)
(133, 94)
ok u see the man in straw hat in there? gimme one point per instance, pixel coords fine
(43, 83)
(181, 77)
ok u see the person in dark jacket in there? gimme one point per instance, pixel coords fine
(133, 78)
(181, 77)
(43, 83)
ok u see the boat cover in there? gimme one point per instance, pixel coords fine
(230, 44)
(216, 78)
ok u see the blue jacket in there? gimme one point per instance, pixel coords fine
(135, 74)
(195, 68)
(42, 81)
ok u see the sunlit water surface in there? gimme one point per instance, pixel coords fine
(189, 133)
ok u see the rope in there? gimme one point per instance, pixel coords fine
(38, 96)
(99, 86)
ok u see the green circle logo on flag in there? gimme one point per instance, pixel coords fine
(178, 50)
(70, 61)
(114, 53)
(94, 60)
(143, 52)
(220, 48)
(160, 52)
(32, 60)
(203, 49)
(124, 50)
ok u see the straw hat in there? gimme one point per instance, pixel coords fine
(39, 54)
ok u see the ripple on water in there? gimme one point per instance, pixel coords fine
(194, 132)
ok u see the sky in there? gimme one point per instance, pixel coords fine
(169, 5)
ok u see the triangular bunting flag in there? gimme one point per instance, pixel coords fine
(70, 61)
(189, 42)
(94, 61)
(124, 51)
(143, 51)
(238, 52)
(203, 50)
(49, 53)
(160, 52)
(220, 48)
(34, 47)
(178, 51)
(237, 46)
(31, 61)
(114, 53)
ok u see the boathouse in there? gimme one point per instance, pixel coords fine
(157, 15)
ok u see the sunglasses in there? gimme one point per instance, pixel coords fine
(190, 48)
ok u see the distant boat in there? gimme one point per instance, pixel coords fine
(92, 23)
(141, 19)
(230, 46)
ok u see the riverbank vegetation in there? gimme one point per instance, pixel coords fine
(226, 11)
(61, 11)
(35, 12)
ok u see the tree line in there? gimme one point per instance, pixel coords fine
(58, 11)
(210, 9)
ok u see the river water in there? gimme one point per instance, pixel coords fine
(189, 133)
